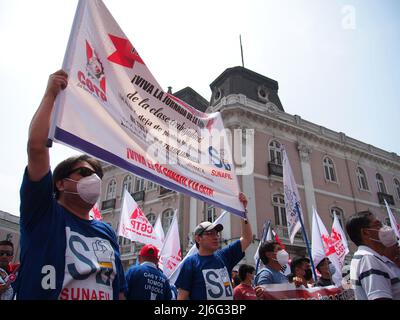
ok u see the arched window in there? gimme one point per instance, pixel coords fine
(152, 218)
(380, 183)
(278, 202)
(139, 184)
(166, 219)
(362, 179)
(339, 214)
(275, 152)
(397, 187)
(329, 170)
(127, 184)
(210, 213)
(111, 190)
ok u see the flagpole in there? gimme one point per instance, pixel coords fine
(303, 230)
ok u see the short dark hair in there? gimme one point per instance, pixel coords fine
(355, 223)
(64, 168)
(6, 243)
(244, 269)
(297, 262)
(268, 246)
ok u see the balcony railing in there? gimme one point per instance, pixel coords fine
(389, 198)
(138, 196)
(275, 169)
(108, 204)
(164, 190)
(127, 249)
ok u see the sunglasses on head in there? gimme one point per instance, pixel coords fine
(83, 171)
(6, 253)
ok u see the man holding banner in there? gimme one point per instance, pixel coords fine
(206, 274)
(64, 254)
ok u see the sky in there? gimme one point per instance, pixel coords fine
(336, 61)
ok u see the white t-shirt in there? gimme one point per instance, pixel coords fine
(371, 277)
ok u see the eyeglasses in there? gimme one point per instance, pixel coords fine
(83, 171)
(6, 253)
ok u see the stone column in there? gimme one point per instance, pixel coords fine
(305, 152)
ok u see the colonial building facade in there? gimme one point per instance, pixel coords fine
(9, 230)
(334, 173)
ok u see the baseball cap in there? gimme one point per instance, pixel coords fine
(296, 261)
(207, 226)
(149, 251)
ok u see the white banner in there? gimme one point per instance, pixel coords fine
(292, 199)
(134, 225)
(170, 254)
(114, 109)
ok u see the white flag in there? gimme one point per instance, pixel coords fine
(393, 221)
(134, 225)
(114, 109)
(292, 199)
(339, 241)
(170, 254)
(322, 247)
(159, 229)
(193, 250)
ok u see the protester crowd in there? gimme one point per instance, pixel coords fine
(66, 255)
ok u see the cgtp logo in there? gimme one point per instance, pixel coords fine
(94, 80)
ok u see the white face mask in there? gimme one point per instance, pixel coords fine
(282, 257)
(386, 236)
(332, 269)
(89, 188)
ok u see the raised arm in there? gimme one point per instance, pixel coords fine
(247, 235)
(38, 152)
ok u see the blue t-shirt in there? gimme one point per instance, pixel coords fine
(146, 282)
(268, 275)
(209, 277)
(63, 256)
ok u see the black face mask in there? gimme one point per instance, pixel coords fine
(308, 274)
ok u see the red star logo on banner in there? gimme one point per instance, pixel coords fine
(125, 54)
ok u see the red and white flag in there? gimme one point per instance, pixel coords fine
(95, 214)
(170, 254)
(322, 247)
(339, 241)
(134, 225)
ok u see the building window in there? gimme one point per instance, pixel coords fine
(380, 183)
(152, 218)
(210, 213)
(329, 170)
(397, 188)
(139, 184)
(278, 202)
(166, 219)
(339, 214)
(275, 152)
(111, 190)
(362, 179)
(127, 184)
